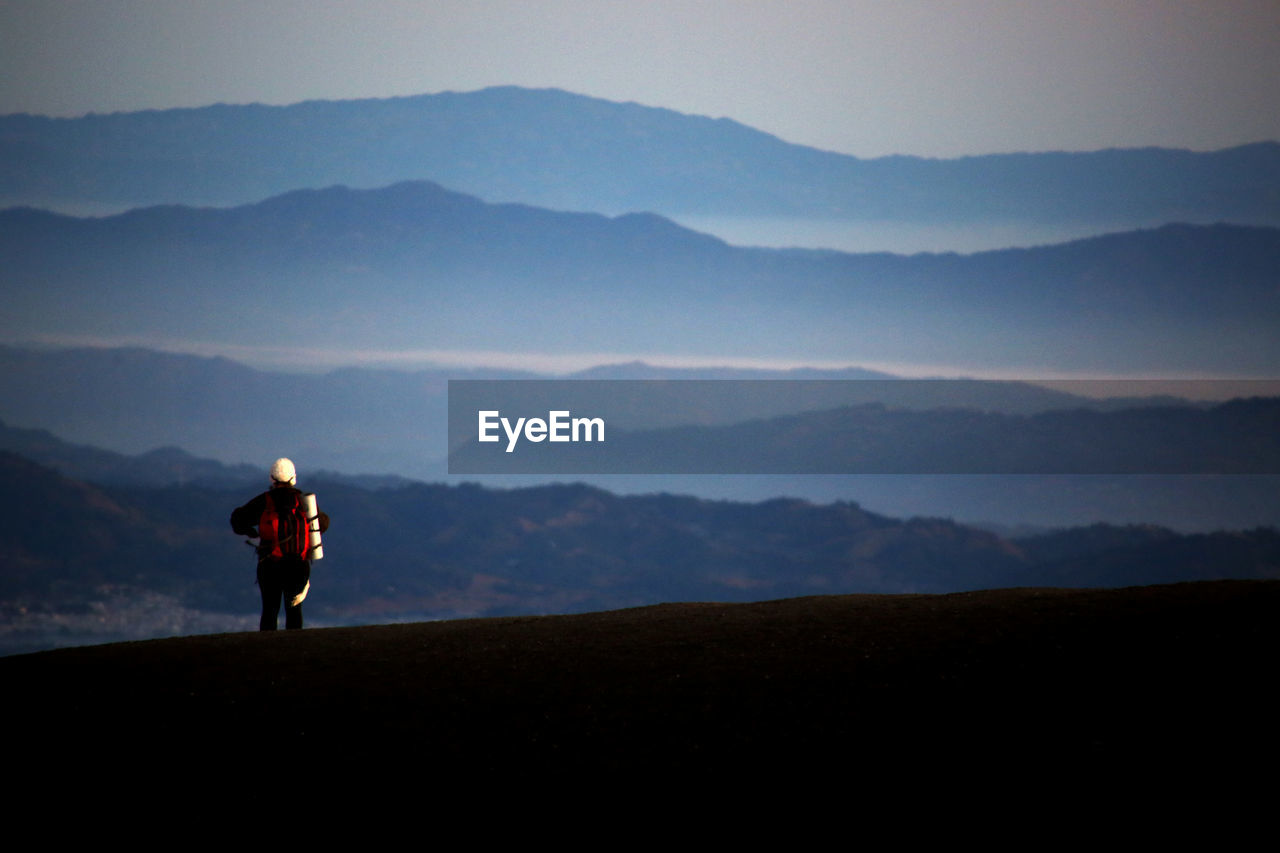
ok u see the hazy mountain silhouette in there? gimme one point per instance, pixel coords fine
(560, 150)
(360, 421)
(1236, 437)
(164, 466)
(414, 266)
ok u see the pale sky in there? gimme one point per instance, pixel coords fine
(864, 77)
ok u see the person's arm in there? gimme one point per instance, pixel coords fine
(244, 519)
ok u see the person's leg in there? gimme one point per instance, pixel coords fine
(299, 575)
(292, 617)
(269, 586)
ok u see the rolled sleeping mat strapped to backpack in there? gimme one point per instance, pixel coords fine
(316, 550)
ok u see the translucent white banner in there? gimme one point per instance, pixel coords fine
(863, 427)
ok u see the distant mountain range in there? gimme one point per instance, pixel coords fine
(362, 421)
(1237, 437)
(415, 266)
(375, 425)
(434, 550)
(564, 151)
(437, 224)
(159, 468)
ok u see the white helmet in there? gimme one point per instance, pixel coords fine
(282, 472)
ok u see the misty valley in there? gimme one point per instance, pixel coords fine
(189, 294)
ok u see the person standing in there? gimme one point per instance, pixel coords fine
(278, 520)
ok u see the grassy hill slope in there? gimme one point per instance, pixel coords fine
(1048, 681)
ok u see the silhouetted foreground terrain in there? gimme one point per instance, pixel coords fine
(1051, 681)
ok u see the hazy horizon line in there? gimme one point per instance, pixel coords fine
(318, 360)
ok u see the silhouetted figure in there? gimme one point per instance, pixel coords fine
(278, 520)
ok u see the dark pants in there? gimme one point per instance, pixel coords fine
(281, 580)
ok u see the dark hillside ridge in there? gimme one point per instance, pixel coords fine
(166, 554)
(571, 152)
(1057, 685)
